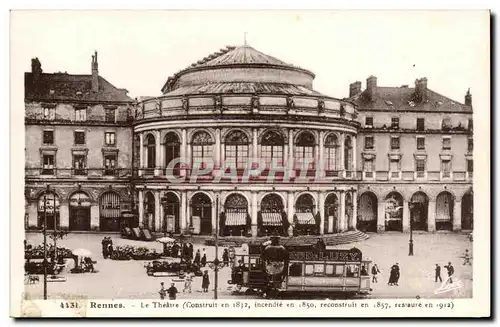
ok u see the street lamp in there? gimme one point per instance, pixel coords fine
(411, 205)
(216, 264)
(45, 244)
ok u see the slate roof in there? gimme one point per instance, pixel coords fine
(68, 87)
(404, 99)
(239, 87)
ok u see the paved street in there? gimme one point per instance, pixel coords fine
(128, 279)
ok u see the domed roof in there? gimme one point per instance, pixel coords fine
(244, 55)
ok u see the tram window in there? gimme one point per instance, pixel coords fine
(334, 270)
(295, 270)
(351, 271)
(309, 270)
(319, 269)
(254, 263)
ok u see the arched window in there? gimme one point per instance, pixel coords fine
(172, 147)
(151, 151)
(272, 145)
(202, 146)
(348, 154)
(304, 150)
(331, 153)
(236, 148)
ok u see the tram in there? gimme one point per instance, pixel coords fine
(274, 270)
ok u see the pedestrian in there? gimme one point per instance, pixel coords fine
(162, 291)
(197, 258)
(375, 271)
(187, 282)
(110, 246)
(466, 258)
(438, 273)
(172, 292)
(104, 244)
(204, 260)
(185, 251)
(205, 283)
(320, 244)
(191, 251)
(451, 271)
(398, 273)
(225, 257)
(392, 276)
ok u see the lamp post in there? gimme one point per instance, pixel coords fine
(215, 265)
(45, 245)
(411, 205)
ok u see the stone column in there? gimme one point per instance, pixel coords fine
(217, 149)
(162, 221)
(183, 151)
(140, 206)
(141, 153)
(254, 209)
(183, 211)
(321, 208)
(63, 215)
(158, 162)
(290, 211)
(457, 214)
(255, 144)
(354, 166)
(406, 216)
(157, 218)
(291, 159)
(321, 158)
(94, 216)
(341, 155)
(189, 157)
(381, 216)
(431, 216)
(342, 222)
(354, 210)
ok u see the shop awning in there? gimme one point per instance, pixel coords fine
(271, 219)
(236, 218)
(305, 218)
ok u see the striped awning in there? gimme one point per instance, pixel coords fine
(236, 218)
(305, 218)
(271, 219)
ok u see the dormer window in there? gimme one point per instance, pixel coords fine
(395, 123)
(369, 122)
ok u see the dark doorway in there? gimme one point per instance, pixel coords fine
(201, 206)
(419, 211)
(171, 217)
(331, 214)
(367, 212)
(468, 212)
(79, 212)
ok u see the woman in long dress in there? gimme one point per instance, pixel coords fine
(205, 283)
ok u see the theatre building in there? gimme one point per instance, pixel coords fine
(383, 159)
(77, 150)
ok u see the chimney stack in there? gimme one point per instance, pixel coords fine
(421, 89)
(36, 69)
(371, 85)
(468, 98)
(354, 89)
(95, 73)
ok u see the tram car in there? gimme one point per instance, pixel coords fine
(275, 270)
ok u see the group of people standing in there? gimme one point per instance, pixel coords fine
(107, 247)
(188, 279)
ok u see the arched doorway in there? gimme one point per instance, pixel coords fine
(150, 154)
(305, 218)
(331, 214)
(79, 211)
(201, 214)
(171, 217)
(48, 204)
(367, 212)
(109, 211)
(272, 217)
(172, 146)
(394, 212)
(236, 219)
(468, 211)
(418, 211)
(444, 211)
(148, 220)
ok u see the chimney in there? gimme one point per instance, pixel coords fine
(95, 73)
(421, 89)
(36, 69)
(468, 98)
(354, 89)
(371, 85)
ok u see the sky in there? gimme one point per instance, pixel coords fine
(139, 50)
